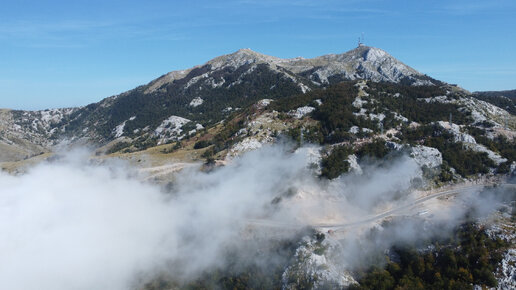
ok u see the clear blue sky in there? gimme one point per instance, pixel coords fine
(70, 53)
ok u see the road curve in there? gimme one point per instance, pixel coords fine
(411, 204)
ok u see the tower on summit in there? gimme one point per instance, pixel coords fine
(361, 40)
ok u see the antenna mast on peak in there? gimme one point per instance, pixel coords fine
(361, 40)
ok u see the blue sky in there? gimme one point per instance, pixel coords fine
(70, 53)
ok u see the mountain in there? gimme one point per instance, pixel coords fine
(361, 63)
(239, 101)
(356, 111)
(205, 94)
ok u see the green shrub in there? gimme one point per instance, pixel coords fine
(335, 163)
(201, 144)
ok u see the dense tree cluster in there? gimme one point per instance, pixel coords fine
(408, 101)
(375, 150)
(499, 144)
(202, 144)
(117, 147)
(335, 114)
(226, 137)
(335, 163)
(465, 161)
(415, 92)
(302, 135)
(469, 257)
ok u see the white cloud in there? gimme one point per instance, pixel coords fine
(74, 224)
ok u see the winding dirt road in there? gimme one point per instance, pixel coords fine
(402, 209)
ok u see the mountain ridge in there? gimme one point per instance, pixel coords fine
(243, 77)
(181, 103)
(358, 63)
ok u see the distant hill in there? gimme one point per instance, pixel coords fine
(502, 99)
(511, 94)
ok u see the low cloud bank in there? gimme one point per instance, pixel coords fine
(71, 224)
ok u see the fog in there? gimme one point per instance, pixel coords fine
(77, 224)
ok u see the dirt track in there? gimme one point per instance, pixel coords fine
(402, 209)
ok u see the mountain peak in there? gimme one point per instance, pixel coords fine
(363, 62)
(241, 57)
(369, 53)
(246, 51)
(250, 54)
(375, 53)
